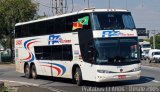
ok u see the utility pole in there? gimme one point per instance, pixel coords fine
(60, 6)
(56, 8)
(52, 7)
(154, 39)
(88, 4)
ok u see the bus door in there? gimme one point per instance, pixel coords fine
(86, 44)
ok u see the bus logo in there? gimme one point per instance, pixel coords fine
(110, 33)
(57, 39)
(53, 39)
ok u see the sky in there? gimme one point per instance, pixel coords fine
(146, 13)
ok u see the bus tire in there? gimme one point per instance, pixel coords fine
(33, 72)
(27, 71)
(78, 76)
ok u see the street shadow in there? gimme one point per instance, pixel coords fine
(142, 80)
(53, 79)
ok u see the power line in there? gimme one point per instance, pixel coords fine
(44, 5)
(72, 6)
(52, 7)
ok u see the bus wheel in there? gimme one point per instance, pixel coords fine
(33, 72)
(78, 76)
(27, 71)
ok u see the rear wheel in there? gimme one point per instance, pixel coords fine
(34, 72)
(78, 76)
(27, 71)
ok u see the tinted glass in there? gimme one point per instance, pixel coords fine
(117, 50)
(113, 20)
(54, 26)
(57, 52)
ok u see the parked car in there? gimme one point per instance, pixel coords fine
(154, 55)
(145, 55)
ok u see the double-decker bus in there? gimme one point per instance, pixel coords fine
(93, 45)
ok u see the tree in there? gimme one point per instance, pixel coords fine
(157, 41)
(12, 12)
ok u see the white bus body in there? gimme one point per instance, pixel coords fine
(115, 51)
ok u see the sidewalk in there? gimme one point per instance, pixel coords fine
(16, 87)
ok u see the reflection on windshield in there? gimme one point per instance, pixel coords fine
(116, 20)
(114, 50)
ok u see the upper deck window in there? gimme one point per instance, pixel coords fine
(113, 20)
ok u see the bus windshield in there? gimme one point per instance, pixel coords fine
(116, 50)
(113, 20)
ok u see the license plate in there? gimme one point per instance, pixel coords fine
(121, 76)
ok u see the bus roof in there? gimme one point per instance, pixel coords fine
(87, 10)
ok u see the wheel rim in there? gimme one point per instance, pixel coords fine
(27, 71)
(33, 73)
(77, 76)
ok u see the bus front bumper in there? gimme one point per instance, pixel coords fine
(117, 76)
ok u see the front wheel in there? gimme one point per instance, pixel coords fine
(27, 71)
(78, 76)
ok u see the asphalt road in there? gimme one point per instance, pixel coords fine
(150, 77)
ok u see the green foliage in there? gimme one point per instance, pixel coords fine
(157, 41)
(12, 12)
(147, 40)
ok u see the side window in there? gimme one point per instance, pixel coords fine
(38, 52)
(41, 28)
(25, 31)
(69, 22)
(43, 52)
(67, 52)
(57, 52)
(49, 27)
(47, 55)
(33, 29)
(59, 25)
(18, 31)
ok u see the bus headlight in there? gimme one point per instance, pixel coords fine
(103, 71)
(137, 69)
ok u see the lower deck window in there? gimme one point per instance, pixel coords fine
(57, 52)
